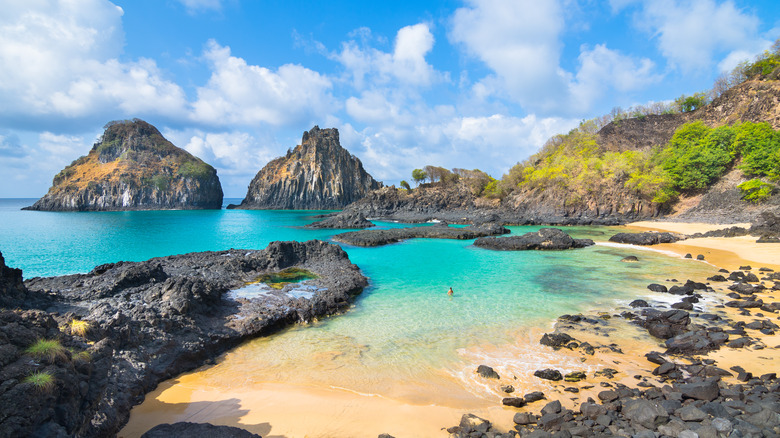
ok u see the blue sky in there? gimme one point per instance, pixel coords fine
(471, 84)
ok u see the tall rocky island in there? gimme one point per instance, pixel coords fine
(133, 167)
(318, 174)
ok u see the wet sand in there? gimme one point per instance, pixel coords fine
(276, 409)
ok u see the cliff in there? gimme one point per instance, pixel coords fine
(133, 167)
(318, 174)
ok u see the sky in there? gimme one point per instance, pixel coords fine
(467, 84)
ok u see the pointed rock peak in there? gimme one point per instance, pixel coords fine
(317, 174)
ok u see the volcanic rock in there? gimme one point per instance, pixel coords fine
(318, 174)
(648, 238)
(544, 239)
(132, 167)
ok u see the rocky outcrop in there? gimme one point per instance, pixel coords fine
(342, 221)
(318, 174)
(648, 238)
(12, 290)
(438, 231)
(133, 167)
(197, 430)
(149, 321)
(544, 239)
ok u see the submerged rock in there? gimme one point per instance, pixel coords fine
(439, 231)
(544, 239)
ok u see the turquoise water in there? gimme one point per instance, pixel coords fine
(402, 328)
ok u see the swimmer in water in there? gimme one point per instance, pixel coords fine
(450, 292)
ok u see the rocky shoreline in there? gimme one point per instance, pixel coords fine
(112, 335)
(437, 231)
(681, 392)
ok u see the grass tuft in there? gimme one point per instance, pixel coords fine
(48, 349)
(41, 380)
(79, 327)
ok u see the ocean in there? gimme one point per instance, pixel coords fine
(403, 338)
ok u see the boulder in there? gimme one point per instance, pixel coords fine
(644, 413)
(185, 429)
(648, 238)
(549, 374)
(707, 390)
(487, 372)
(556, 340)
(345, 220)
(544, 239)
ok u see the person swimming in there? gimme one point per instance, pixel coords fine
(450, 292)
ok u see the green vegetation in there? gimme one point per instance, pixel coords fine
(694, 158)
(196, 169)
(419, 175)
(41, 380)
(756, 191)
(686, 104)
(278, 280)
(405, 185)
(48, 349)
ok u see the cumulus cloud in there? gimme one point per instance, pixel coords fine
(693, 35)
(59, 59)
(237, 155)
(521, 42)
(406, 64)
(239, 93)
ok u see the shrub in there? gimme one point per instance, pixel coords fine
(419, 175)
(48, 349)
(405, 185)
(759, 146)
(195, 169)
(755, 190)
(697, 155)
(41, 380)
(686, 104)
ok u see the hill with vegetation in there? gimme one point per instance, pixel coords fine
(133, 167)
(711, 157)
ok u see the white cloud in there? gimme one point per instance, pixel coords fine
(406, 64)
(520, 41)
(60, 59)
(693, 35)
(238, 93)
(194, 6)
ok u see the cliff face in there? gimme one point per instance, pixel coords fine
(317, 175)
(133, 167)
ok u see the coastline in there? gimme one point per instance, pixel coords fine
(325, 406)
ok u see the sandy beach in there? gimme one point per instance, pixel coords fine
(724, 252)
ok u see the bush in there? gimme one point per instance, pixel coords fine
(405, 185)
(48, 349)
(697, 155)
(419, 175)
(759, 146)
(686, 104)
(196, 169)
(755, 190)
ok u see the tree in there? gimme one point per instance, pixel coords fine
(419, 175)
(689, 103)
(405, 185)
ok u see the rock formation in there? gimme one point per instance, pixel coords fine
(318, 174)
(133, 167)
(544, 239)
(118, 331)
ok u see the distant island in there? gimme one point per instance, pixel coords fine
(133, 167)
(318, 174)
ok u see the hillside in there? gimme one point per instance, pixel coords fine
(133, 167)
(318, 174)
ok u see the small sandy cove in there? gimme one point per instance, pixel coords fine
(277, 409)
(724, 252)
